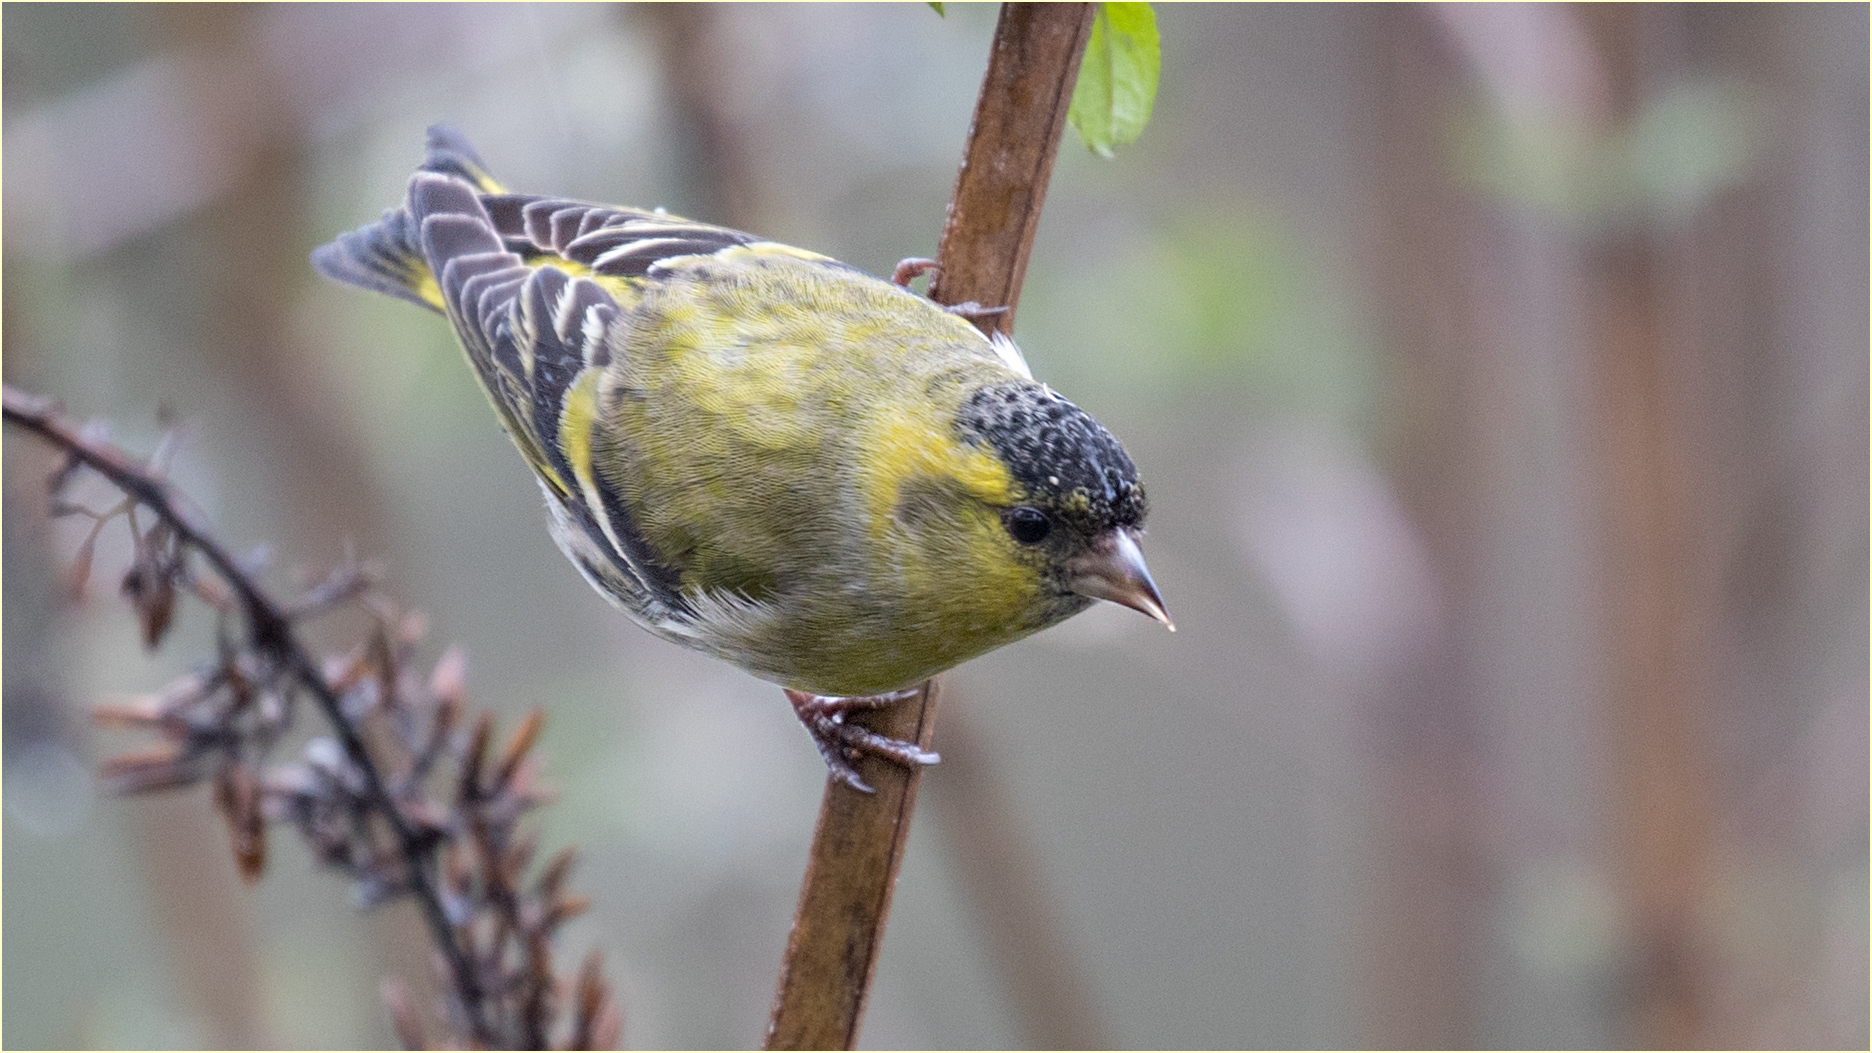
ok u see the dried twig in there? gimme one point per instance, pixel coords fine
(858, 844)
(452, 843)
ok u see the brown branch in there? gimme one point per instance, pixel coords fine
(858, 845)
(1019, 117)
(270, 631)
(462, 860)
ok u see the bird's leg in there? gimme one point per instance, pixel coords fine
(841, 744)
(908, 270)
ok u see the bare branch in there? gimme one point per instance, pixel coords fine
(464, 861)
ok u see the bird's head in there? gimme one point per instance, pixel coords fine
(1078, 510)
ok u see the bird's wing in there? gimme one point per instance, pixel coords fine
(603, 240)
(536, 326)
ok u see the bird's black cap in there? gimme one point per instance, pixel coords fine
(1057, 452)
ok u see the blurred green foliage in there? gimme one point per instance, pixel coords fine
(1215, 299)
(1686, 143)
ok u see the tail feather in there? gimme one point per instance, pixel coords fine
(387, 256)
(450, 154)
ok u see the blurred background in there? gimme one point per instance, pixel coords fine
(1499, 375)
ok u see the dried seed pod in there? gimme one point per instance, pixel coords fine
(237, 793)
(517, 746)
(151, 592)
(161, 767)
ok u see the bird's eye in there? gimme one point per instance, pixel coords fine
(1029, 526)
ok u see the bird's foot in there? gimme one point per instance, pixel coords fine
(841, 744)
(908, 270)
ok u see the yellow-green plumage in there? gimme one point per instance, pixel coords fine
(755, 450)
(718, 409)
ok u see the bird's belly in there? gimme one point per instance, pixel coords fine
(864, 648)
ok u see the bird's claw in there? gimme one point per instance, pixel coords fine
(841, 744)
(909, 269)
(971, 310)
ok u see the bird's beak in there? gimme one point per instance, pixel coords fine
(1113, 569)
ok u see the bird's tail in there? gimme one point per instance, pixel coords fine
(387, 256)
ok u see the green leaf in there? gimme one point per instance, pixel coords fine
(936, 7)
(1117, 77)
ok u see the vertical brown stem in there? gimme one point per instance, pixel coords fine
(1013, 139)
(718, 174)
(1654, 547)
(832, 952)
(996, 864)
(858, 846)
(1662, 813)
(1417, 962)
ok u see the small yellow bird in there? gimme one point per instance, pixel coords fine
(760, 452)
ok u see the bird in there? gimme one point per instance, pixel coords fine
(761, 453)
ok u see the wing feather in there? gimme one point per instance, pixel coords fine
(535, 333)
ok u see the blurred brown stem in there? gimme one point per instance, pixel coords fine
(1656, 548)
(831, 954)
(997, 866)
